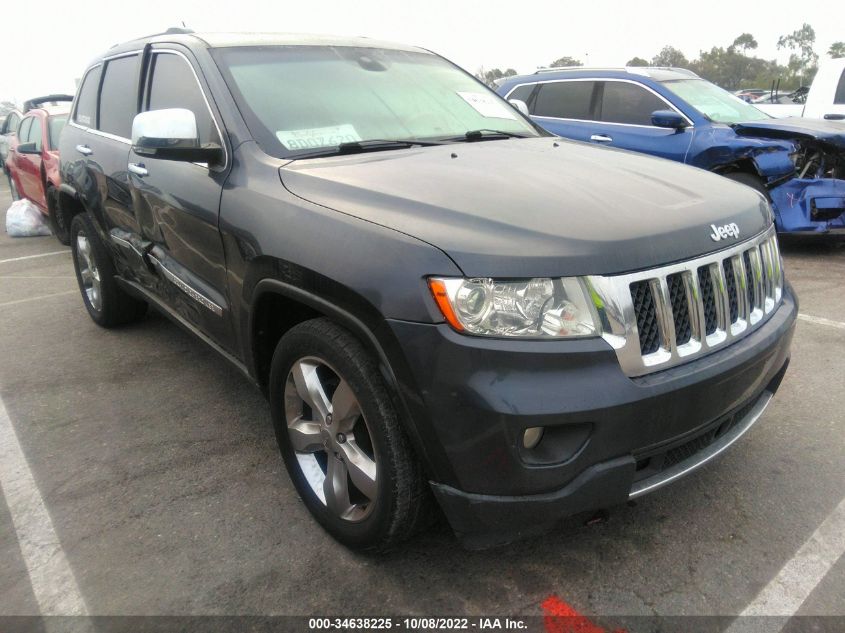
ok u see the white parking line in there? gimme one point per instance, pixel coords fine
(20, 259)
(796, 580)
(821, 321)
(38, 298)
(50, 575)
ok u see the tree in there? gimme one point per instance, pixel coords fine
(566, 61)
(836, 50)
(670, 56)
(490, 76)
(804, 63)
(744, 43)
(637, 61)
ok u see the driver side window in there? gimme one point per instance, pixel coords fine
(35, 134)
(173, 85)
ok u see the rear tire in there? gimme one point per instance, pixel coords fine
(380, 495)
(59, 223)
(107, 304)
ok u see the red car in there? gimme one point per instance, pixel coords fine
(32, 164)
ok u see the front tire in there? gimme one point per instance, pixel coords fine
(341, 439)
(107, 304)
(13, 187)
(750, 180)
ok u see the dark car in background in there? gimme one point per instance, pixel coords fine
(32, 163)
(799, 164)
(434, 294)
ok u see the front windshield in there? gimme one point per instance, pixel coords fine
(716, 104)
(296, 99)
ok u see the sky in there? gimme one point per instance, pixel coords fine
(53, 50)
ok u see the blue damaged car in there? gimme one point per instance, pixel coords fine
(799, 164)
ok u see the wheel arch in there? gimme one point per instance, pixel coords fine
(68, 201)
(276, 306)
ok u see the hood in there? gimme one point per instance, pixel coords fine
(832, 132)
(535, 207)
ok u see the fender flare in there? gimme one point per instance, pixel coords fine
(319, 304)
(344, 317)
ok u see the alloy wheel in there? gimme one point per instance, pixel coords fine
(331, 440)
(88, 272)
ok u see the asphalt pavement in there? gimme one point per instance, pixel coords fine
(157, 466)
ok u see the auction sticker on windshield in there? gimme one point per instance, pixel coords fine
(487, 105)
(310, 138)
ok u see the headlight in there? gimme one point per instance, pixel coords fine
(533, 308)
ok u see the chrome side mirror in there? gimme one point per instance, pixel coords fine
(171, 134)
(520, 105)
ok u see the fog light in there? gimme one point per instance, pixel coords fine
(532, 436)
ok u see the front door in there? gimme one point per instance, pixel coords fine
(623, 120)
(176, 205)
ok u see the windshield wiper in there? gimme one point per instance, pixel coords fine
(369, 145)
(484, 134)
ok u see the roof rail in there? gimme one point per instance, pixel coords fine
(173, 30)
(554, 69)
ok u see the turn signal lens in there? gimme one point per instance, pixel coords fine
(441, 297)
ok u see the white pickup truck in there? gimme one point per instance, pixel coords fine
(826, 99)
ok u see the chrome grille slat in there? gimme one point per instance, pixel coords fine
(746, 282)
(741, 285)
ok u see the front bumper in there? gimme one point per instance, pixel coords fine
(607, 437)
(809, 205)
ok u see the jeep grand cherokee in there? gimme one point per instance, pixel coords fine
(435, 295)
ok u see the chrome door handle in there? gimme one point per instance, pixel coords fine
(84, 150)
(601, 138)
(138, 169)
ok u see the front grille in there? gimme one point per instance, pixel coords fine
(749, 280)
(730, 286)
(708, 300)
(680, 308)
(646, 317)
(684, 310)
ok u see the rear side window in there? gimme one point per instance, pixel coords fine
(119, 96)
(628, 103)
(35, 134)
(839, 98)
(23, 131)
(173, 85)
(522, 93)
(86, 101)
(565, 100)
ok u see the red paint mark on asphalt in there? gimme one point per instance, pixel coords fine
(559, 617)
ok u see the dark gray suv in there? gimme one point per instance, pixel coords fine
(435, 295)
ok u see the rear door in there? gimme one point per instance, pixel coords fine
(108, 143)
(176, 204)
(624, 121)
(565, 107)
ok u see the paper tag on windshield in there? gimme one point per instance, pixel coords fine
(487, 105)
(316, 137)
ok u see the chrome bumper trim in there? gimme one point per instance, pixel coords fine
(702, 457)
